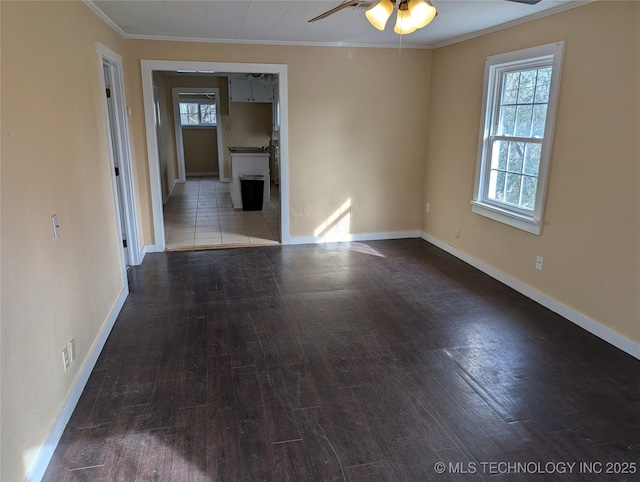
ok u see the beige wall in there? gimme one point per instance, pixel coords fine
(54, 160)
(248, 124)
(200, 150)
(591, 234)
(357, 130)
(166, 134)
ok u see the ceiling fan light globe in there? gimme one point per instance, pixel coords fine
(380, 13)
(422, 12)
(404, 23)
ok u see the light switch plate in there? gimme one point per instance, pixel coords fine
(55, 226)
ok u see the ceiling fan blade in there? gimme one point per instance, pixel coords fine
(528, 2)
(346, 4)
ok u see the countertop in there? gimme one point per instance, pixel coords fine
(248, 150)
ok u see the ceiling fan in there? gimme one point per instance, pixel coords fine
(366, 4)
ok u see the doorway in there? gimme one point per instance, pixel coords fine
(148, 69)
(197, 126)
(112, 85)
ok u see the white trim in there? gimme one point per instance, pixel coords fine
(353, 237)
(203, 174)
(175, 96)
(127, 175)
(166, 38)
(177, 128)
(496, 66)
(151, 248)
(48, 447)
(147, 248)
(507, 217)
(435, 45)
(147, 69)
(530, 18)
(104, 18)
(200, 127)
(603, 332)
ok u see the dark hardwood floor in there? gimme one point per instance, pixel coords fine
(361, 362)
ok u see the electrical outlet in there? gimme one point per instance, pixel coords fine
(352, 208)
(72, 349)
(227, 127)
(458, 233)
(65, 357)
(539, 261)
(426, 207)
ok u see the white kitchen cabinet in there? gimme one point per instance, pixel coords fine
(242, 89)
(261, 91)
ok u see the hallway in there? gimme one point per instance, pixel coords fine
(199, 213)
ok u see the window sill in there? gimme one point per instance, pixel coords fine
(525, 223)
(198, 127)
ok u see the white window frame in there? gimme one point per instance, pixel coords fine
(199, 102)
(495, 66)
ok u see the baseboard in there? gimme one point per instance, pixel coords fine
(147, 248)
(592, 326)
(173, 185)
(352, 237)
(202, 174)
(151, 248)
(45, 452)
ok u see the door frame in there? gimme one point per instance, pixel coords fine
(175, 97)
(147, 68)
(106, 56)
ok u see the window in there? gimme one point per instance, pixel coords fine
(198, 113)
(519, 104)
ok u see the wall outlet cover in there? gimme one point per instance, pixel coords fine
(65, 357)
(72, 349)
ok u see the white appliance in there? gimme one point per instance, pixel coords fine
(248, 161)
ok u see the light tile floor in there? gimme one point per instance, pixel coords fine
(199, 213)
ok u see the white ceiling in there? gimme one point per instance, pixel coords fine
(286, 21)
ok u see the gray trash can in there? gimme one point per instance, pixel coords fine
(252, 191)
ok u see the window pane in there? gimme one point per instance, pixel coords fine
(512, 194)
(542, 94)
(542, 86)
(507, 121)
(544, 76)
(207, 113)
(512, 81)
(539, 120)
(529, 187)
(496, 185)
(532, 159)
(523, 120)
(189, 113)
(516, 156)
(527, 86)
(189, 108)
(510, 97)
(510, 85)
(500, 155)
